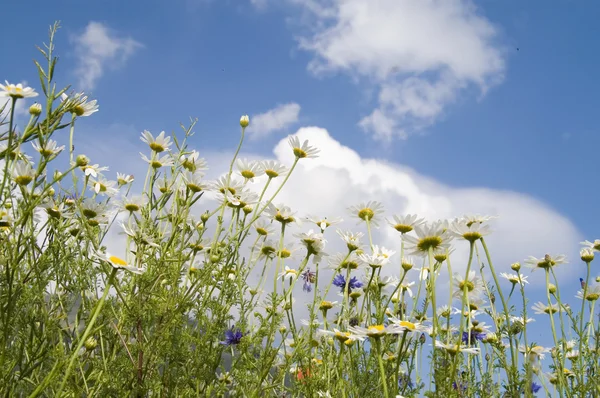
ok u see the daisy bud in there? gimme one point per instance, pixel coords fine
(35, 109)
(515, 267)
(90, 344)
(551, 288)
(587, 255)
(326, 305)
(204, 217)
(82, 160)
(244, 121)
(407, 265)
(247, 210)
(598, 279)
(282, 330)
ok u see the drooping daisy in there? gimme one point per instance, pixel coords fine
(405, 224)
(302, 150)
(370, 211)
(158, 144)
(16, 91)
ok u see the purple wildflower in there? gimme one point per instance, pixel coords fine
(309, 278)
(535, 387)
(232, 336)
(474, 336)
(340, 282)
(582, 282)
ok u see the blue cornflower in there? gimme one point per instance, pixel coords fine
(340, 282)
(232, 336)
(474, 336)
(535, 387)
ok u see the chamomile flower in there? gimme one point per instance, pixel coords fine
(117, 262)
(302, 150)
(221, 185)
(592, 293)
(546, 262)
(281, 213)
(93, 170)
(454, 349)
(158, 161)
(534, 352)
(405, 224)
(541, 308)
(476, 219)
(375, 331)
(263, 228)
(433, 236)
(411, 327)
(92, 209)
(273, 168)
(16, 91)
(124, 179)
(193, 162)
(314, 243)
(159, 144)
(342, 337)
(470, 231)
(78, 104)
(370, 211)
(595, 245)
(288, 274)
(22, 173)
(102, 186)
(472, 284)
(380, 257)
(342, 261)
(131, 204)
(49, 149)
(324, 223)
(515, 278)
(194, 182)
(249, 169)
(352, 239)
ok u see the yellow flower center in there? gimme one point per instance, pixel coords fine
(366, 214)
(248, 174)
(429, 242)
(408, 325)
(117, 261)
(403, 228)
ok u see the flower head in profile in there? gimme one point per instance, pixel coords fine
(379, 257)
(545, 262)
(515, 278)
(158, 144)
(405, 224)
(16, 91)
(49, 149)
(434, 236)
(193, 162)
(470, 231)
(592, 292)
(541, 308)
(352, 239)
(281, 213)
(232, 337)
(249, 169)
(79, 105)
(273, 168)
(117, 262)
(595, 245)
(302, 150)
(323, 222)
(454, 349)
(376, 331)
(367, 211)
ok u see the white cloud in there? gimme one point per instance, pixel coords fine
(97, 48)
(276, 119)
(419, 54)
(260, 4)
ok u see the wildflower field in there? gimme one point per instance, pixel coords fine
(225, 301)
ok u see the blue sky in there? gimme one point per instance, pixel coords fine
(499, 95)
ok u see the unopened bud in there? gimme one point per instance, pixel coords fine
(587, 254)
(515, 267)
(90, 344)
(35, 109)
(244, 121)
(82, 160)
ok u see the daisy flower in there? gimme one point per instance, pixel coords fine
(262, 227)
(476, 219)
(454, 349)
(380, 257)
(79, 104)
(16, 91)
(375, 331)
(158, 161)
(288, 274)
(342, 337)
(273, 168)
(434, 236)
(193, 162)
(473, 284)
(515, 278)
(595, 245)
(541, 308)
(158, 144)
(22, 173)
(367, 211)
(351, 239)
(546, 262)
(343, 261)
(324, 222)
(468, 231)
(118, 263)
(586, 254)
(304, 150)
(249, 169)
(281, 213)
(592, 293)
(221, 185)
(49, 149)
(93, 170)
(131, 204)
(411, 327)
(103, 186)
(534, 352)
(405, 224)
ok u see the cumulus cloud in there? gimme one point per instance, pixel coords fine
(97, 48)
(276, 119)
(420, 55)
